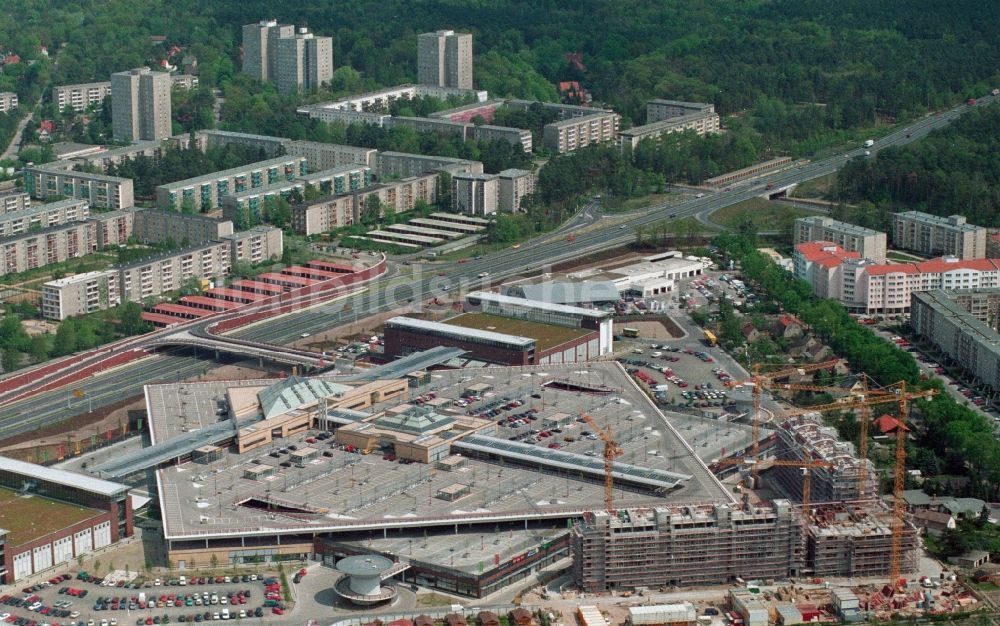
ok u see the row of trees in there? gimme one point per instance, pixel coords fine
(959, 439)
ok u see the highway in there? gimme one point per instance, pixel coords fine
(428, 281)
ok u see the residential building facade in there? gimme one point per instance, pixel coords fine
(404, 164)
(870, 244)
(659, 110)
(47, 246)
(80, 294)
(514, 185)
(113, 228)
(864, 286)
(256, 245)
(82, 96)
(325, 156)
(577, 132)
(476, 194)
(106, 192)
(204, 192)
(303, 62)
(8, 101)
(444, 58)
(158, 225)
(140, 105)
(938, 236)
(323, 214)
(338, 180)
(245, 208)
(14, 200)
(293, 59)
(167, 272)
(963, 337)
(259, 43)
(43, 216)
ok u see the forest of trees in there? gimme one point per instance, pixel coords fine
(799, 72)
(953, 170)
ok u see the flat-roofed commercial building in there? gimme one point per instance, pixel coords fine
(514, 185)
(544, 313)
(14, 200)
(870, 244)
(256, 245)
(106, 192)
(43, 216)
(43, 247)
(50, 517)
(574, 133)
(167, 272)
(404, 164)
(938, 236)
(204, 192)
(159, 225)
(81, 96)
(406, 334)
(79, 294)
(476, 194)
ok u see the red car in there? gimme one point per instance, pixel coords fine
(302, 572)
(277, 611)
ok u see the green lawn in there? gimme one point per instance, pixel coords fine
(39, 275)
(764, 214)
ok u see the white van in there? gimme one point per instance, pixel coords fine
(182, 581)
(225, 613)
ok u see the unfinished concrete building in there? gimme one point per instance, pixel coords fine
(686, 545)
(855, 540)
(805, 438)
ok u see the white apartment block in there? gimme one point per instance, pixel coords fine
(8, 101)
(577, 132)
(54, 244)
(323, 214)
(864, 286)
(80, 294)
(43, 216)
(140, 108)
(183, 81)
(475, 194)
(167, 272)
(80, 97)
(514, 185)
(870, 244)
(444, 58)
(405, 164)
(938, 236)
(702, 124)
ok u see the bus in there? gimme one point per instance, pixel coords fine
(710, 337)
(630, 332)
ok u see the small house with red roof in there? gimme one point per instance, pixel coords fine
(787, 326)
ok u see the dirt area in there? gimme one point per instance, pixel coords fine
(620, 256)
(664, 329)
(39, 327)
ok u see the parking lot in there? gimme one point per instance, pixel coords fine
(81, 600)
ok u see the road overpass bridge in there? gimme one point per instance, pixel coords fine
(243, 347)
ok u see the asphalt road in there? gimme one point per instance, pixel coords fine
(430, 280)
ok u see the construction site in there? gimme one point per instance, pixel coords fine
(470, 481)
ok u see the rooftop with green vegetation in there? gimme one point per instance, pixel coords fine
(27, 518)
(546, 336)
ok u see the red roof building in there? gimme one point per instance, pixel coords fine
(888, 424)
(211, 304)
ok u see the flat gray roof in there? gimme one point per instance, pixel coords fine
(233, 171)
(535, 304)
(62, 477)
(460, 332)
